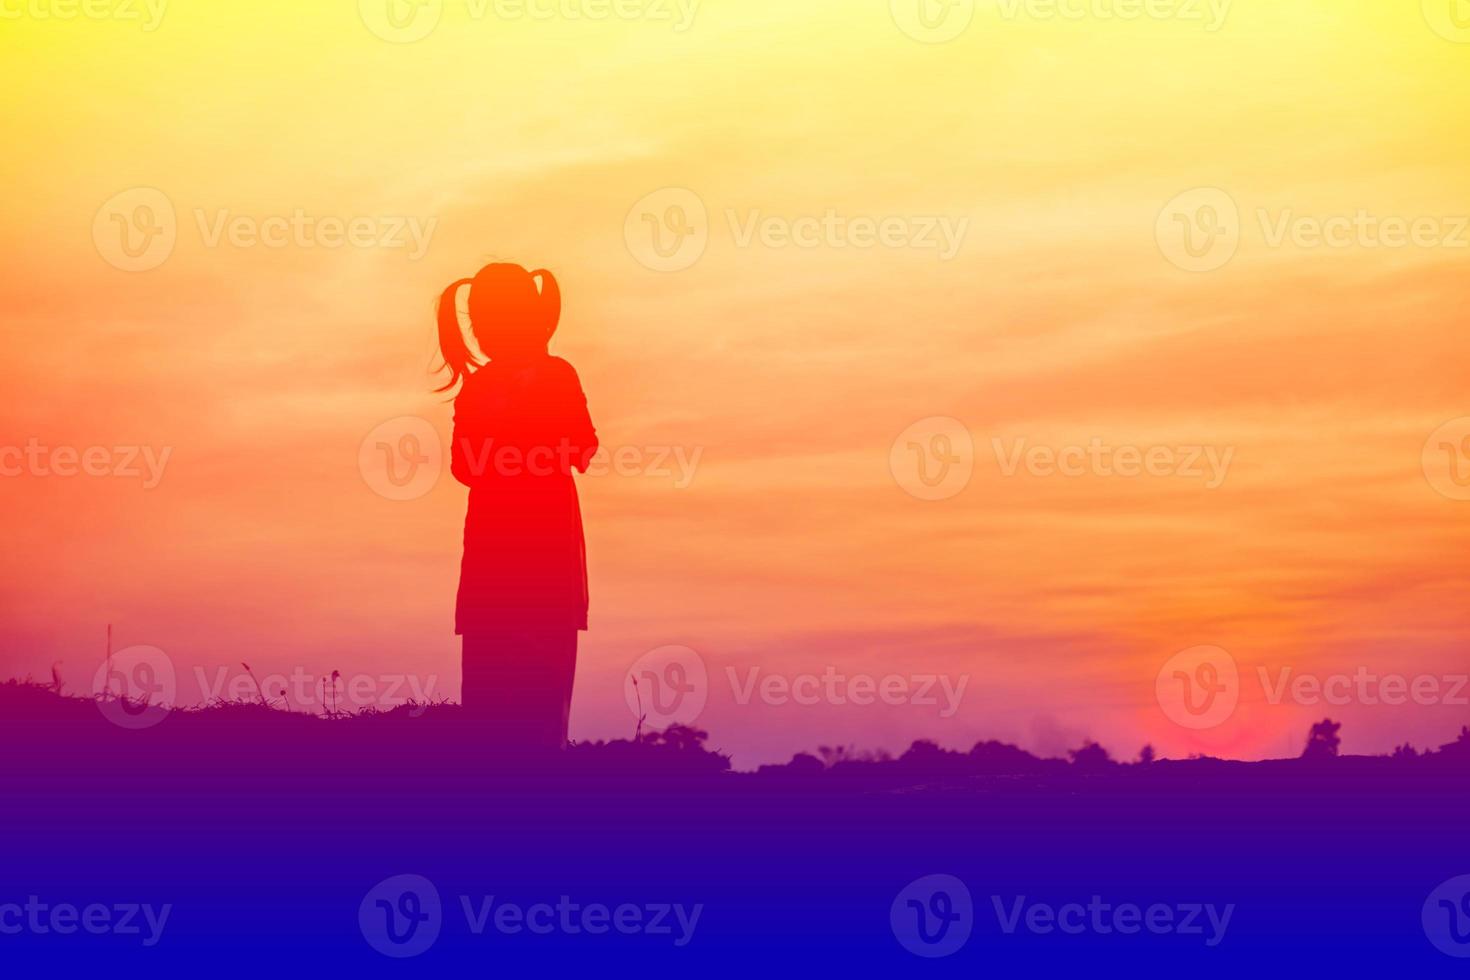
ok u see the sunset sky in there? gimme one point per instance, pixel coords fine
(782, 361)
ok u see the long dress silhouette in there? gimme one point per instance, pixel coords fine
(521, 429)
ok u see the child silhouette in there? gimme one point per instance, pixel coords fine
(521, 429)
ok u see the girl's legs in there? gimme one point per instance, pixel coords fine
(518, 685)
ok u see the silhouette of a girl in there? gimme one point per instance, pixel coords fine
(520, 430)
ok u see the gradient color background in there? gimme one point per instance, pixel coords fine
(792, 370)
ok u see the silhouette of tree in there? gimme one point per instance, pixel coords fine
(1091, 757)
(1146, 755)
(1322, 742)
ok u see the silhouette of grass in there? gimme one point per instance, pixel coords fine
(439, 738)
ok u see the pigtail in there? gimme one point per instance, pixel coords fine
(550, 301)
(459, 360)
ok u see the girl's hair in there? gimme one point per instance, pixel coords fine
(508, 317)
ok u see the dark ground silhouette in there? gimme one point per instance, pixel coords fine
(238, 812)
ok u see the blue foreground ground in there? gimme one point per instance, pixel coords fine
(394, 845)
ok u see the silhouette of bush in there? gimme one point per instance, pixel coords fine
(1322, 741)
(1091, 757)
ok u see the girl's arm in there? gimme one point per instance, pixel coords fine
(467, 452)
(580, 435)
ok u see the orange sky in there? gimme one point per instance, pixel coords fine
(1061, 312)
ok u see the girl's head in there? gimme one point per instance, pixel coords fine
(510, 317)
